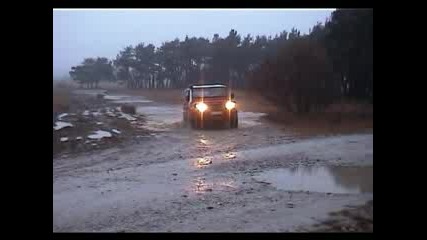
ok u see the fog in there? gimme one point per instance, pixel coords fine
(78, 34)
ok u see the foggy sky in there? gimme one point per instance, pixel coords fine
(78, 34)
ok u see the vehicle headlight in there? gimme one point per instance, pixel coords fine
(201, 107)
(230, 105)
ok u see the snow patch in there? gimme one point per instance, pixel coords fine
(60, 125)
(95, 114)
(99, 135)
(127, 116)
(62, 115)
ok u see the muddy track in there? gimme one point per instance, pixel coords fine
(211, 180)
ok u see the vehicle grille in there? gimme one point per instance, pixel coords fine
(216, 107)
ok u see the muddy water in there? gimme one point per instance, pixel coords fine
(167, 117)
(223, 180)
(331, 179)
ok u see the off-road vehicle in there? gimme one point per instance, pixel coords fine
(209, 103)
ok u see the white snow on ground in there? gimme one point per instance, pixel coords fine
(99, 123)
(86, 113)
(116, 131)
(99, 135)
(127, 116)
(60, 125)
(64, 139)
(110, 114)
(96, 114)
(62, 115)
(79, 138)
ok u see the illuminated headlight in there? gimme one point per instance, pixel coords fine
(201, 107)
(230, 105)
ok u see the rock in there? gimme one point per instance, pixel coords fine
(128, 109)
(209, 190)
(174, 174)
(290, 204)
(184, 196)
(210, 207)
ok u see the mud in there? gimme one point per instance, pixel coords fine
(257, 178)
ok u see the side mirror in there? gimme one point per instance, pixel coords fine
(232, 95)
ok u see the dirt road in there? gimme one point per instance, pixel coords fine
(252, 179)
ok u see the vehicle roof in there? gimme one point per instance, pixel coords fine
(209, 86)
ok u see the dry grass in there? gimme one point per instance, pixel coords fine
(61, 99)
(323, 123)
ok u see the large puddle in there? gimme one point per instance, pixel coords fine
(159, 117)
(164, 117)
(321, 179)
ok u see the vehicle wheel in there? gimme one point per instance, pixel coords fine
(184, 120)
(195, 124)
(234, 121)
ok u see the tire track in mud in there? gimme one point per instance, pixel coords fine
(157, 185)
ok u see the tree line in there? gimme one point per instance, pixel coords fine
(333, 60)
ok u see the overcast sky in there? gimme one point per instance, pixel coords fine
(78, 34)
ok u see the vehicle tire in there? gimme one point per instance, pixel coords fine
(195, 124)
(184, 119)
(234, 121)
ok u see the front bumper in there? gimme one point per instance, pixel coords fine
(208, 115)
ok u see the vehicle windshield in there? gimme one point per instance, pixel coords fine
(210, 92)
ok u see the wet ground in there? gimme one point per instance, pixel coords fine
(258, 177)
